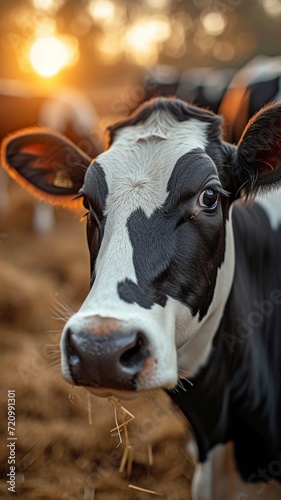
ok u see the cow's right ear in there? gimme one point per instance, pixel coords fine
(259, 151)
(47, 164)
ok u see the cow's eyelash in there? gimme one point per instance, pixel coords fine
(93, 219)
(220, 190)
(90, 220)
(79, 195)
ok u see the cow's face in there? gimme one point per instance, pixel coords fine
(160, 242)
(157, 235)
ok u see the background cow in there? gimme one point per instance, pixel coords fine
(236, 95)
(252, 87)
(204, 87)
(65, 109)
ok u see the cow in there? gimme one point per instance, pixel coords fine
(185, 281)
(236, 95)
(252, 87)
(204, 87)
(65, 109)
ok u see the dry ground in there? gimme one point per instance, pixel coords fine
(64, 449)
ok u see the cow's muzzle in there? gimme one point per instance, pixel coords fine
(113, 359)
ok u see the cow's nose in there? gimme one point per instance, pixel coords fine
(111, 360)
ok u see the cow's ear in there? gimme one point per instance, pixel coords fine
(259, 151)
(47, 164)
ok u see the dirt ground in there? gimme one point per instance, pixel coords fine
(64, 448)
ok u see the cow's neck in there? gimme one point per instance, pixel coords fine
(194, 354)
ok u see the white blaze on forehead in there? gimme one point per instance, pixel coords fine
(142, 157)
(163, 123)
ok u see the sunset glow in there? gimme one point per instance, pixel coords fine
(48, 55)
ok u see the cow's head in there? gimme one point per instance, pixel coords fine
(159, 235)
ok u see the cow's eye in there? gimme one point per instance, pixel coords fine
(208, 198)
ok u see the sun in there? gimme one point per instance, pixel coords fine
(48, 55)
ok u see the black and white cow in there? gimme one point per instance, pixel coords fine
(185, 278)
(204, 87)
(252, 87)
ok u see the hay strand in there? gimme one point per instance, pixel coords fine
(89, 407)
(144, 490)
(121, 426)
(150, 454)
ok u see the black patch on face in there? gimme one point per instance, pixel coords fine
(178, 249)
(95, 191)
(95, 188)
(131, 292)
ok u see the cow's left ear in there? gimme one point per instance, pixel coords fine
(47, 164)
(259, 151)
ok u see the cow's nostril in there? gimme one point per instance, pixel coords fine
(72, 354)
(137, 353)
